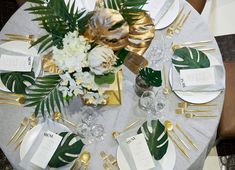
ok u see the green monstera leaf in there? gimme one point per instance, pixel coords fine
(17, 81)
(67, 151)
(151, 77)
(157, 146)
(190, 58)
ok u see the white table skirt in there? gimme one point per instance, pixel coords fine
(202, 131)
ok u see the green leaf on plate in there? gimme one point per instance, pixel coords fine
(17, 81)
(67, 151)
(105, 79)
(157, 146)
(151, 77)
(190, 58)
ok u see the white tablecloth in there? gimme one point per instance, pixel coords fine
(202, 131)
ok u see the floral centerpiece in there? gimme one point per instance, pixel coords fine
(87, 48)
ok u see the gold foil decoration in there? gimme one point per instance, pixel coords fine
(108, 27)
(49, 65)
(141, 33)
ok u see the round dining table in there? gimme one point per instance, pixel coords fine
(115, 118)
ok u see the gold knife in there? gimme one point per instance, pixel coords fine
(189, 139)
(180, 148)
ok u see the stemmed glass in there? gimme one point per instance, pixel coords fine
(160, 103)
(88, 129)
(147, 103)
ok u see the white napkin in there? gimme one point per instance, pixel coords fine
(199, 80)
(14, 61)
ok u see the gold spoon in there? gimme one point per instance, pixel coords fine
(23, 123)
(58, 116)
(166, 89)
(85, 159)
(115, 133)
(191, 115)
(169, 126)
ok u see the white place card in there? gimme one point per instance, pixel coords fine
(16, 63)
(198, 77)
(46, 149)
(140, 152)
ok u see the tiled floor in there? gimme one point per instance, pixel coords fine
(227, 47)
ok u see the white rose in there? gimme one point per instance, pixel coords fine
(101, 60)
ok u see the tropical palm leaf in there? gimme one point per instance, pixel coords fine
(57, 19)
(17, 81)
(151, 77)
(67, 150)
(157, 146)
(128, 8)
(190, 58)
(44, 95)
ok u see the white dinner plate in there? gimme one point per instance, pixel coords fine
(22, 47)
(198, 97)
(32, 135)
(153, 6)
(167, 162)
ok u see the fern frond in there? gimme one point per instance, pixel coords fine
(128, 8)
(57, 19)
(44, 95)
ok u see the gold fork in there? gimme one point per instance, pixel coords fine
(191, 115)
(186, 105)
(170, 30)
(32, 122)
(180, 26)
(19, 37)
(177, 46)
(183, 111)
(22, 124)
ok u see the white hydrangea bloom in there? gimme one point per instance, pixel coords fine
(101, 60)
(95, 98)
(73, 56)
(86, 79)
(69, 86)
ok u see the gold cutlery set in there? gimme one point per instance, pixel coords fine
(82, 163)
(178, 24)
(177, 140)
(199, 45)
(19, 37)
(11, 98)
(109, 161)
(19, 134)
